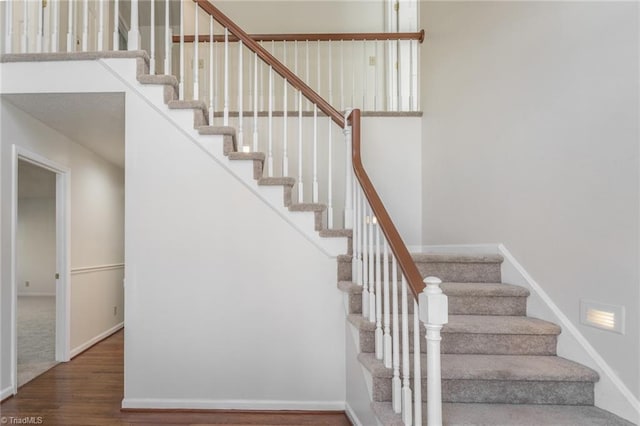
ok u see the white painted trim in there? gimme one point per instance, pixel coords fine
(229, 404)
(6, 393)
(63, 254)
(615, 390)
(351, 414)
(97, 339)
(37, 295)
(96, 268)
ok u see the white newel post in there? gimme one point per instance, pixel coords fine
(348, 196)
(434, 312)
(133, 40)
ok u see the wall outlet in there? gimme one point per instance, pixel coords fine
(27, 283)
(115, 310)
(372, 60)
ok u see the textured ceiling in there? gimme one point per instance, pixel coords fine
(94, 120)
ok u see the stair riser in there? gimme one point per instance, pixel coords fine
(487, 344)
(501, 391)
(515, 306)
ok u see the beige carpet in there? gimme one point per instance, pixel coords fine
(36, 336)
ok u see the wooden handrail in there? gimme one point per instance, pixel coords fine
(399, 249)
(277, 66)
(204, 38)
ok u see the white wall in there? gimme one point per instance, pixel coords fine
(228, 306)
(531, 140)
(36, 246)
(97, 228)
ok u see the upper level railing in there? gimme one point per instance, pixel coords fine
(369, 71)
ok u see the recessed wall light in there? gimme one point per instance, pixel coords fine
(602, 315)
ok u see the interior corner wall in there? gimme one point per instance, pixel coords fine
(97, 228)
(531, 140)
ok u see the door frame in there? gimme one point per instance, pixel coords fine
(63, 229)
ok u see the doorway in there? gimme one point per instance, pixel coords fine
(39, 274)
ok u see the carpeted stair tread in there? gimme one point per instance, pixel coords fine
(496, 367)
(159, 79)
(217, 130)
(307, 207)
(188, 105)
(477, 324)
(509, 415)
(336, 233)
(259, 156)
(457, 258)
(72, 56)
(350, 287)
(483, 289)
(277, 181)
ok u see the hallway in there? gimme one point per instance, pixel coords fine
(88, 391)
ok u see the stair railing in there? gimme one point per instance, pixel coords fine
(364, 65)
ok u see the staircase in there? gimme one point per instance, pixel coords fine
(499, 366)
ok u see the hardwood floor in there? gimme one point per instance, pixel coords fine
(88, 391)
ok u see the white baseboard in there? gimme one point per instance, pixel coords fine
(611, 393)
(351, 414)
(83, 347)
(6, 393)
(229, 404)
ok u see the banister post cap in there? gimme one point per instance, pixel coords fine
(432, 281)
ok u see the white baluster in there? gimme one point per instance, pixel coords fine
(226, 78)
(365, 74)
(212, 81)
(355, 241)
(378, 333)
(388, 358)
(70, 26)
(349, 177)
(240, 96)
(40, 35)
(8, 26)
(300, 183)
(285, 141)
(181, 84)
(134, 30)
(270, 124)
(417, 372)
(167, 39)
(116, 24)
(315, 153)
(411, 93)
(375, 78)
(353, 73)
(85, 25)
(330, 72)
(295, 66)
(399, 73)
(24, 46)
(255, 102)
(152, 39)
(330, 176)
(406, 389)
(434, 312)
(396, 384)
(195, 63)
(342, 75)
(55, 31)
(371, 273)
(366, 305)
(101, 25)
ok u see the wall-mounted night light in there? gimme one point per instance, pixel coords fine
(601, 315)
